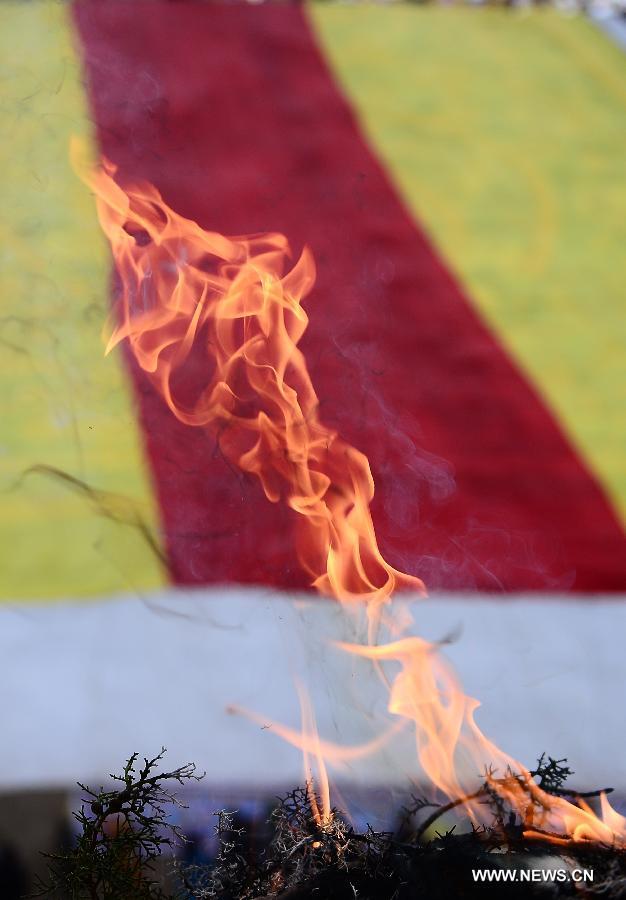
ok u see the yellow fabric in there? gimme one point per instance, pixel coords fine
(505, 132)
(64, 406)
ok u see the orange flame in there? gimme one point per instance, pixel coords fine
(316, 752)
(183, 288)
(451, 747)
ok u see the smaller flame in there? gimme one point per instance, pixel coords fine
(318, 754)
(315, 771)
(426, 693)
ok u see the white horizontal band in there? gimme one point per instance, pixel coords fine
(84, 684)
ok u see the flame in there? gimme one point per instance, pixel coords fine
(450, 745)
(183, 288)
(184, 291)
(317, 754)
(427, 693)
(315, 771)
(314, 754)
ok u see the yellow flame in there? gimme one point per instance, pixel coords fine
(235, 300)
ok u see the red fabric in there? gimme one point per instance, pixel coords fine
(232, 113)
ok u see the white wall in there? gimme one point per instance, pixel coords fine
(83, 684)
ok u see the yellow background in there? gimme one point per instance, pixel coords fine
(63, 404)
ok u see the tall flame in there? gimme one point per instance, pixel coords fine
(185, 290)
